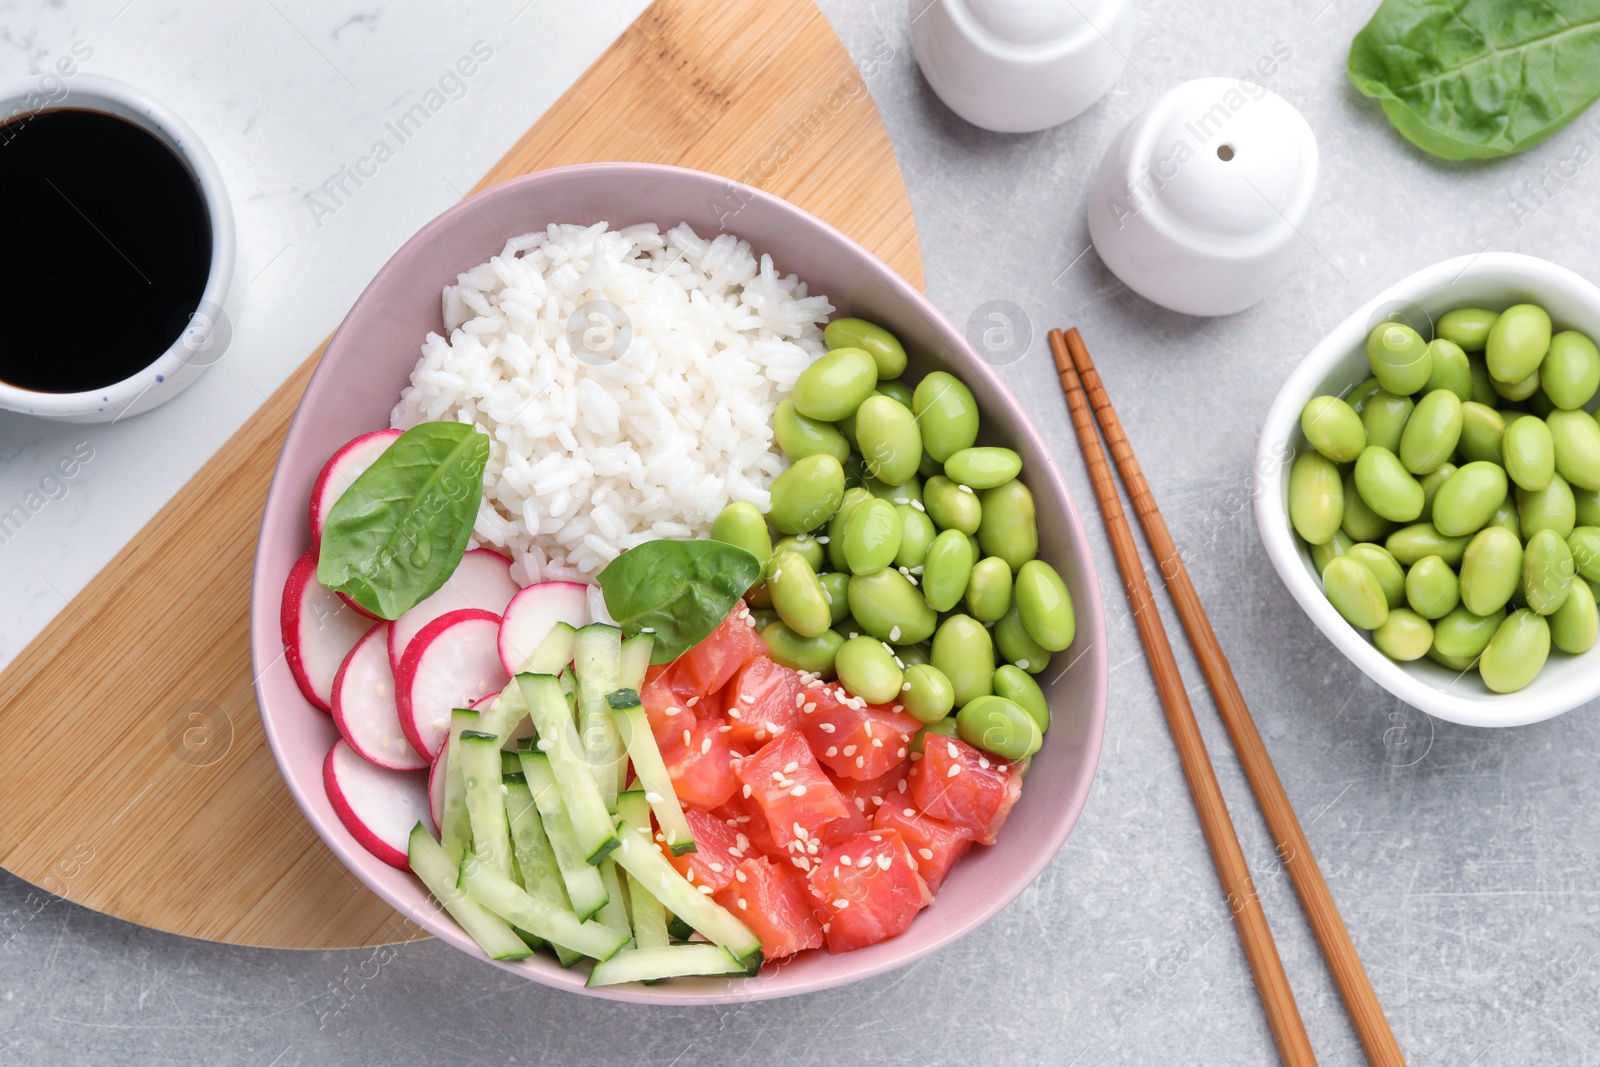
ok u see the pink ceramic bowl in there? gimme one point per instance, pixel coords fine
(360, 377)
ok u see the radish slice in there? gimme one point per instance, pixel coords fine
(364, 705)
(454, 661)
(481, 580)
(531, 615)
(345, 466)
(436, 792)
(378, 806)
(318, 631)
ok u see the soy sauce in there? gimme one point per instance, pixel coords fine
(104, 253)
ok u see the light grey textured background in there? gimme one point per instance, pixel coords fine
(1466, 862)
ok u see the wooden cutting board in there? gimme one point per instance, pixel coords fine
(144, 787)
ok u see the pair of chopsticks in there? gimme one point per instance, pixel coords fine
(1083, 389)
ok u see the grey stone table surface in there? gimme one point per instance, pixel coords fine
(1466, 862)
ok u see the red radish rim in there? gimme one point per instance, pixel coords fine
(339, 716)
(352, 822)
(312, 510)
(500, 642)
(395, 656)
(406, 675)
(304, 569)
(436, 810)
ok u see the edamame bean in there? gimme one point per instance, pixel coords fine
(868, 669)
(946, 414)
(950, 506)
(1384, 419)
(964, 653)
(916, 535)
(1506, 515)
(1490, 570)
(904, 493)
(1430, 435)
(1517, 391)
(1011, 637)
(1517, 652)
(1458, 664)
(797, 595)
(1045, 606)
(926, 693)
(800, 437)
(1540, 403)
(1451, 369)
(1547, 572)
(871, 536)
(1529, 452)
(1464, 635)
(945, 727)
(884, 348)
(1404, 636)
(1432, 589)
(1584, 542)
(1018, 686)
(814, 654)
(1517, 343)
(834, 386)
(758, 596)
(743, 526)
(989, 589)
(855, 471)
(1333, 428)
(1410, 543)
(1430, 483)
(983, 468)
(890, 443)
(1385, 568)
(998, 726)
(761, 618)
(1008, 528)
(1386, 486)
(1586, 503)
(947, 570)
(911, 655)
(806, 495)
(809, 548)
(929, 466)
(1576, 436)
(1482, 428)
(1482, 385)
(1360, 522)
(1354, 592)
(1467, 327)
(1364, 391)
(1550, 508)
(1321, 554)
(890, 608)
(1316, 498)
(1467, 501)
(836, 589)
(1399, 357)
(853, 498)
(1574, 624)
(1570, 373)
(896, 390)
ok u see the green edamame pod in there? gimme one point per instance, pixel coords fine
(834, 386)
(998, 726)
(743, 526)
(890, 443)
(1385, 568)
(1570, 373)
(871, 536)
(1451, 369)
(1316, 498)
(1354, 592)
(1404, 636)
(1463, 635)
(806, 495)
(1482, 428)
(1467, 501)
(947, 570)
(989, 589)
(1550, 508)
(946, 413)
(810, 549)
(1529, 452)
(1386, 486)
(916, 536)
(1384, 418)
(887, 606)
(1008, 528)
(1410, 543)
(1482, 385)
(1574, 625)
(1011, 637)
(814, 654)
(1516, 653)
(836, 588)
(1584, 541)
(1321, 554)
(1018, 686)
(1364, 391)
(797, 595)
(926, 693)
(1333, 428)
(945, 727)
(951, 507)
(1360, 522)
(906, 492)
(1399, 358)
(1045, 606)
(1467, 327)
(1430, 435)
(963, 652)
(884, 348)
(800, 437)
(1517, 343)
(868, 669)
(1432, 589)
(1547, 572)
(1430, 487)
(852, 499)
(1490, 570)
(983, 468)
(1576, 437)
(895, 390)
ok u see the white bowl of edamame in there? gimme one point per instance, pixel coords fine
(1451, 688)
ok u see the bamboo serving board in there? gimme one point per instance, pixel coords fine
(181, 821)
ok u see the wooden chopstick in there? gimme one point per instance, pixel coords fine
(1283, 1015)
(1348, 974)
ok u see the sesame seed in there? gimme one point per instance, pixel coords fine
(900, 753)
(800, 832)
(874, 837)
(724, 728)
(861, 805)
(811, 705)
(864, 861)
(905, 687)
(955, 769)
(1023, 663)
(983, 761)
(861, 761)
(833, 750)
(799, 700)
(845, 860)
(801, 862)
(908, 812)
(707, 890)
(715, 867)
(877, 802)
(822, 539)
(841, 904)
(883, 863)
(733, 713)
(691, 702)
(798, 791)
(965, 489)
(688, 738)
(689, 877)
(877, 742)
(777, 574)
(791, 767)
(925, 853)
(894, 633)
(654, 798)
(741, 876)
(744, 842)
(672, 837)
(661, 837)
(673, 711)
(742, 905)
(761, 735)
(849, 750)
(543, 744)
(826, 727)
(705, 746)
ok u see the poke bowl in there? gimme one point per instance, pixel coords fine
(346, 410)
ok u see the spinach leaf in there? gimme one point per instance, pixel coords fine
(1479, 79)
(398, 532)
(678, 590)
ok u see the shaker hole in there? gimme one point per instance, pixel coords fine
(1225, 152)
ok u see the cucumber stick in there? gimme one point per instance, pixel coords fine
(535, 858)
(635, 661)
(486, 809)
(585, 889)
(554, 652)
(581, 794)
(666, 961)
(638, 855)
(456, 831)
(504, 713)
(649, 918)
(511, 902)
(634, 726)
(438, 872)
(614, 913)
(597, 663)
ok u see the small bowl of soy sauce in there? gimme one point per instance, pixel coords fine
(118, 253)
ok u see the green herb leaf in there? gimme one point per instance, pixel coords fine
(398, 532)
(1479, 79)
(678, 590)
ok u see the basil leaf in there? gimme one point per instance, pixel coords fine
(1478, 79)
(398, 532)
(678, 590)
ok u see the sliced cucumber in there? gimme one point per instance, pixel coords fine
(597, 663)
(456, 831)
(580, 793)
(509, 763)
(554, 652)
(486, 808)
(585, 890)
(634, 726)
(512, 903)
(635, 661)
(615, 911)
(677, 929)
(639, 856)
(438, 872)
(535, 858)
(649, 918)
(505, 715)
(666, 961)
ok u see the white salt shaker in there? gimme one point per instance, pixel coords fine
(1201, 203)
(1015, 66)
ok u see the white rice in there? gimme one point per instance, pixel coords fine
(591, 456)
